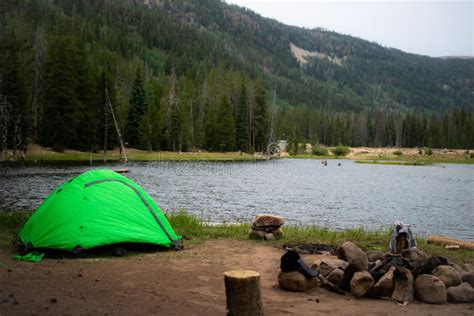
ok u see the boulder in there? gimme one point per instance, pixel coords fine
(335, 276)
(269, 236)
(415, 257)
(277, 233)
(448, 275)
(353, 254)
(345, 283)
(328, 265)
(463, 293)
(403, 285)
(468, 277)
(384, 286)
(361, 282)
(296, 282)
(430, 289)
(374, 255)
(468, 267)
(267, 222)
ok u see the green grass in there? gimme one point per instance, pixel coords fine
(418, 158)
(133, 155)
(194, 230)
(398, 163)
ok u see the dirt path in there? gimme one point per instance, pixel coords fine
(189, 282)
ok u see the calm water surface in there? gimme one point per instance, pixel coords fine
(435, 199)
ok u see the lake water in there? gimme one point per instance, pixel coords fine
(436, 199)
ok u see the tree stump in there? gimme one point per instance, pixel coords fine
(242, 288)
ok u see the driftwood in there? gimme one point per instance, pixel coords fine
(441, 240)
(243, 293)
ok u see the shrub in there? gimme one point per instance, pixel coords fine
(320, 151)
(398, 153)
(301, 149)
(341, 150)
(429, 151)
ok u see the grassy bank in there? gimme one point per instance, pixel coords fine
(396, 156)
(396, 163)
(37, 154)
(194, 230)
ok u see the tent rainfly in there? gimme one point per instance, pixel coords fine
(97, 208)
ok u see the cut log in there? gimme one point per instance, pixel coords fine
(242, 288)
(441, 240)
(123, 170)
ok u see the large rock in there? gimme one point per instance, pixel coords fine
(267, 222)
(415, 257)
(361, 282)
(296, 281)
(374, 255)
(345, 283)
(403, 285)
(468, 267)
(354, 255)
(384, 286)
(448, 275)
(463, 293)
(328, 265)
(468, 277)
(335, 276)
(430, 289)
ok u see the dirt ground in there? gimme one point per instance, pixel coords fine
(189, 282)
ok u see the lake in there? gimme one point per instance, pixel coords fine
(436, 199)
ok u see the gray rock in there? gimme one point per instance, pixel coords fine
(415, 257)
(374, 255)
(384, 286)
(296, 281)
(345, 283)
(361, 282)
(335, 276)
(468, 277)
(430, 289)
(353, 254)
(277, 233)
(328, 265)
(267, 222)
(463, 293)
(269, 236)
(403, 285)
(468, 267)
(448, 275)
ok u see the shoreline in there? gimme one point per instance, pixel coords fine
(37, 155)
(195, 231)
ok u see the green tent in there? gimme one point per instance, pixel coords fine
(96, 208)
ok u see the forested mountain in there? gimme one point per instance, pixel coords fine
(183, 75)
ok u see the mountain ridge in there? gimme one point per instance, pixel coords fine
(270, 35)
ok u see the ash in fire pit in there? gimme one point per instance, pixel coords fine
(318, 249)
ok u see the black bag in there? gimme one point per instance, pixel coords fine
(291, 261)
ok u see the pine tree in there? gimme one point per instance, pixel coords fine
(226, 126)
(138, 106)
(62, 117)
(260, 117)
(241, 120)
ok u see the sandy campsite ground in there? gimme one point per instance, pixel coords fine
(189, 282)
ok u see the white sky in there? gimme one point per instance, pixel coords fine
(434, 28)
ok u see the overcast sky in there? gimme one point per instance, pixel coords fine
(434, 28)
